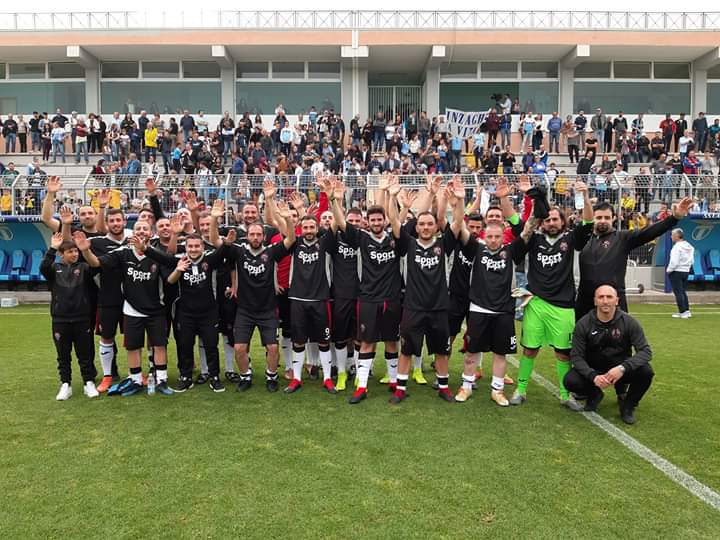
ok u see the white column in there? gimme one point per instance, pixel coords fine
(431, 85)
(354, 81)
(566, 75)
(227, 77)
(92, 76)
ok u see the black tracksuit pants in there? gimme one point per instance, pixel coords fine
(205, 326)
(639, 381)
(67, 335)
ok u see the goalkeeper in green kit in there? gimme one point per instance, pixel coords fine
(549, 315)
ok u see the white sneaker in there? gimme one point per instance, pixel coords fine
(677, 315)
(89, 390)
(64, 393)
(685, 315)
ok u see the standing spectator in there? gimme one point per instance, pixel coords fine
(638, 124)
(681, 126)
(70, 127)
(553, 126)
(573, 143)
(682, 256)
(643, 147)
(35, 132)
(46, 140)
(22, 133)
(505, 128)
(643, 190)
(379, 125)
(58, 141)
(714, 130)
(668, 127)
(202, 124)
(684, 144)
(620, 126)
(586, 163)
(700, 129)
(527, 126)
(580, 125)
(507, 160)
(598, 124)
(608, 136)
(492, 123)
(657, 146)
(94, 144)
(81, 141)
(151, 136)
(9, 132)
(60, 119)
(537, 138)
(691, 164)
(423, 129)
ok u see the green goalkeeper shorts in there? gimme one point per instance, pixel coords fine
(545, 324)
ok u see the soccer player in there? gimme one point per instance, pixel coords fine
(70, 281)
(256, 262)
(143, 308)
(549, 316)
(605, 255)
(379, 293)
(425, 303)
(87, 214)
(601, 355)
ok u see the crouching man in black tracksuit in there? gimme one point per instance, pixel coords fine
(602, 355)
(70, 283)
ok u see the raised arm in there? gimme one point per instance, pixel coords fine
(393, 216)
(425, 200)
(455, 194)
(151, 187)
(83, 244)
(284, 214)
(298, 203)
(48, 208)
(192, 204)
(66, 219)
(587, 213)
(182, 265)
(643, 236)
(326, 184)
(103, 198)
(46, 266)
(176, 227)
(217, 212)
(338, 214)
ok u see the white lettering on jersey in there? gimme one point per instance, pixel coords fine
(308, 258)
(427, 262)
(138, 275)
(492, 264)
(382, 256)
(254, 270)
(549, 260)
(463, 259)
(194, 279)
(346, 252)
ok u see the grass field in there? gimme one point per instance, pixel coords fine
(308, 465)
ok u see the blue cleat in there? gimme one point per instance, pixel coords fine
(131, 389)
(164, 389)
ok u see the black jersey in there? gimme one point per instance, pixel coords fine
(310, 268)
(69, 288)
(551, 262)
(380, 278)
(196, 286)
(141, 281)
(241, 231)
(462, 264)
(492, 274)
(345, 280)
(256, 275)
(427, 287)
(110, 279)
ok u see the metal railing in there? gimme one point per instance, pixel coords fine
(363, 20)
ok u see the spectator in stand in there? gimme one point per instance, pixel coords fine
(554, 125)
(22, 133)
(58, 141)
(643, 190)
(379, 125)
(492, 123)
(507, 160)
(574, 139)
(685, 143)
(9, 132)
(527, 126)
(81, 141)
(714, 131)
(620, 127)
(505, 128)
(691, 164)
(586, 163)
(598, 123)
(608, 137)
(638, 125)
(60, 119)
(657, 146)
(35, 131)
(700, 129)
(642, 147)
(667, 128)
(681, 127)
(150, 139)
(423, 129)
(537, 138)
(580, 126)
(46, 140)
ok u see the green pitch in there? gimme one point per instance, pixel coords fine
(308, 465)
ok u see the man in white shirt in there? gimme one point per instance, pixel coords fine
(682, 256)
(683, 143)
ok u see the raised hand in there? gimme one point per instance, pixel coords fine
(503, 189)
(682, 208)
(231, 236)
(56, 240)
(338, 189)
(580, 187)
(283, 210)
(183, 264)
(81, 241)
(54, 184)
(138, 243)
(393, 187)
(66, 215)
(150, 185)
(434, 183)
(524, 184)
(191, 201)
(384, 181)
(324, 183)
(407, 198)
(269, 188)
(296, 200)
(458, 188)
(218, 209)
(103, 197)
(176, 224)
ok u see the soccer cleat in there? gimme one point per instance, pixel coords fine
(571, 404)
(627, 414)
(385, 380)
(288, 374)
(329, 386)
(216, 385)
(677, 315)
(508, 380)
(341, 381)
(593, 400)
(294, 386)
(418, 377)
(184, 384)
(271, 385)
(232, 377)
(392, 386)
(498, 396)
(398, 397)
(132, 389)
(244, 385)
(164, 389)
(202, 378)
(358, 396)
(685, 315)
(105, 384)
(89, 390)
(64, 393)
(463, 395)
(517, 398)
(446, 395)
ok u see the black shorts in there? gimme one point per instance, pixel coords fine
(245, 323)
(488, 332)
(283, 310)
(457, 312)
(110, 319)
(378, 321)
(227, 308)
(430, 325)
(344, 319)
(310, 321)
(136, 327)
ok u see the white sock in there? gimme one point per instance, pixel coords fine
(297, 367)
(286, 345)
(392, 368)
(363, 372)
(479, 361)
(417, 362)
(341, 359)
(313, 354)
(203, 358)
(136, 377)
(467, 381)
(356, 355)
(229, 355)
(498, 383)
(106, 357)
(333, 354)
(325, 361)
(161, 374)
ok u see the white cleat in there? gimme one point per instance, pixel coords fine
(64, 393)
(89, 390)
(685, 315)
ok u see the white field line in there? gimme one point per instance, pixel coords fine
(676, 474)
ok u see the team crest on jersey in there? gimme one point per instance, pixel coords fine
(362, 328)
(264, 257)
(503, 255)
(57, 336)
(205, 266)
(153, 268)
(76, 272)
(606, 244)
(392, 244)
(563, 246)
(615, 333)
(437, 250)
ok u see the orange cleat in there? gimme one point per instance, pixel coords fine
(105, 384)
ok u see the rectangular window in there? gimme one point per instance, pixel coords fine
(459, 70)
(533, 96)
(65, 70)
(499, 70)
(160, 97)
(632, 97)
(2, 71)
(288, 70)
(714, 72)
(593, 70)
(27, 71)
(120, 70)
(201, 70)
(296, 97)
(539, 70)
(324, 70)
(161, 70)
(671, 70)
(253, 70)
(42, 96)
(631, 70)
(713, 98)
